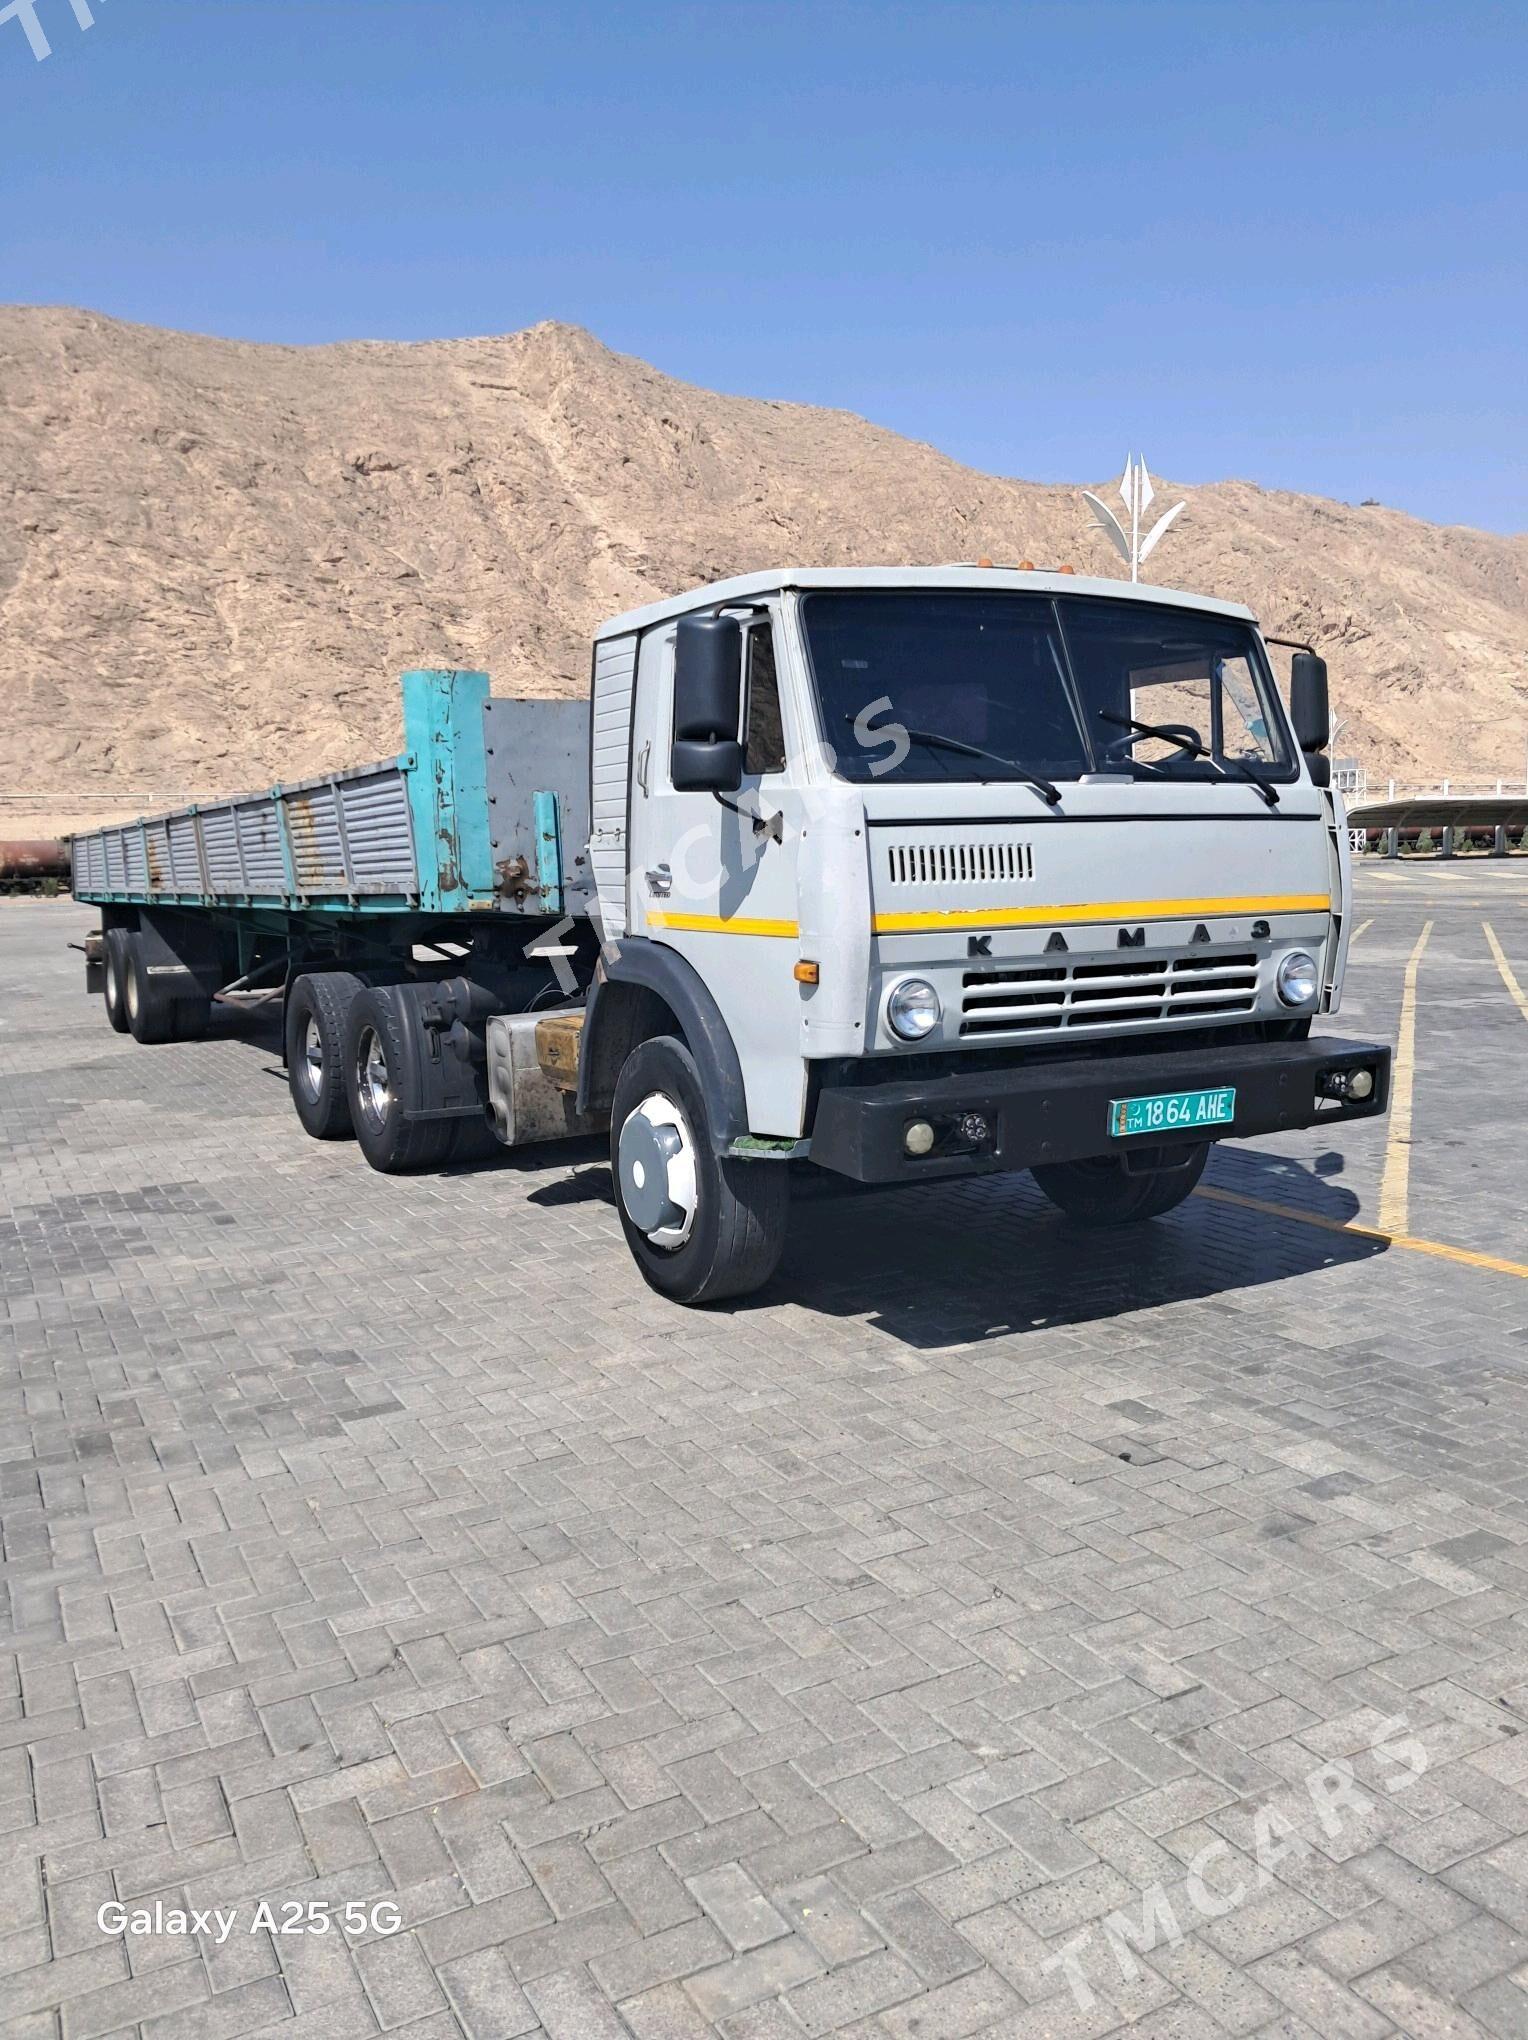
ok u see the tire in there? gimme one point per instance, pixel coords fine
(475, 1140)
(114, 990)
(193, 1017)
(150, 1006)
(317, 1008)
(1099, 1192)
(713, 1227)
(379, 1089)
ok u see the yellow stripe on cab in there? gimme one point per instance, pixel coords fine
(1098, 910)
(718, 924)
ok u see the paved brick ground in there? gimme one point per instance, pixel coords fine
(828, 1665)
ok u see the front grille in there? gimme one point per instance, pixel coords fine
(1140, 992)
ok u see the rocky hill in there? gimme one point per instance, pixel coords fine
(216, 556)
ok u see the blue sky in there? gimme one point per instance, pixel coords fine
(1251, 237)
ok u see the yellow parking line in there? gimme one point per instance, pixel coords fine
(1359, 930)
(1409, 1241)
(1394, 1187)
(1506, 970)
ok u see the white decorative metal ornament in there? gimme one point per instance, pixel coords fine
(1137, 495)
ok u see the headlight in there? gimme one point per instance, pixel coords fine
(1297, 980)
(913, 1009)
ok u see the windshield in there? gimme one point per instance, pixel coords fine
(1200, 678)
(924, 685)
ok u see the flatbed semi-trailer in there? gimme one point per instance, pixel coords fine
(908, 873)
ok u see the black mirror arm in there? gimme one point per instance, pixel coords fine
(774, 828)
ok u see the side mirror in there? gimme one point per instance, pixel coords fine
(708, 705)
(1309, 709)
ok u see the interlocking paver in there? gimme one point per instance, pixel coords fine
(833, 1664)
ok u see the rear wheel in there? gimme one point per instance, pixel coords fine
(701, 1226)
(1101, 1192)
(114, 988)
(317, 1007)
(150, 1004)
(380, 1087)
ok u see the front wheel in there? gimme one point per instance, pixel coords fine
(701, 1226)
(1100, 1192)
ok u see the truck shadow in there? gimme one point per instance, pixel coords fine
(992, 1257)
(954, 1264)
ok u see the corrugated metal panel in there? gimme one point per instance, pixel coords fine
(134, 861)
(260, 847)
(378, 832)
(185, 864)
(318, 857)
(156, 836)
(224, 873)
(615, 670)
(348, 836)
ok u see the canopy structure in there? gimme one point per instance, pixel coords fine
(1501, 814)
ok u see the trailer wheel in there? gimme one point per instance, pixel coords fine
(193, 1017)
(379, 1085)
(700, 1226)
(150, 1005)
(1099, 1192)
(114, 987)
(317, 1007)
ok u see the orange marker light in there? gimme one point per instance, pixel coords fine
(1067, 569)
(1026, 566)
(984, 561)
(806, 973)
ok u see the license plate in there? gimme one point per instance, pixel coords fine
(1171, 1112)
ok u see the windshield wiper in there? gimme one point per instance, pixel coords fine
(1050, 794)
(1191, 748)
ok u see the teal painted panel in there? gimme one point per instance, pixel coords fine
(549, 851)
(447, 776)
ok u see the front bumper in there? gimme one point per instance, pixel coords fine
(1059, 1111)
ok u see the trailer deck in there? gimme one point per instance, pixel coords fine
(483, 810)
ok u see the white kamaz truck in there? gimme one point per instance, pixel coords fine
(906, 873)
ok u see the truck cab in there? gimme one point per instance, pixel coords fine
(970, 869)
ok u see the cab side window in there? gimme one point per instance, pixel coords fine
(764, 738)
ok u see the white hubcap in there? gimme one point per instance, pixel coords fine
(656, 1160)
(376, 1085)
(313, 1057)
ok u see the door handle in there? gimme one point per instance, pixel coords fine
(660, 882)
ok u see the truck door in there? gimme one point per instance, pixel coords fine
(714, 875)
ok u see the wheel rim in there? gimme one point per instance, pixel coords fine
(132, 993)
(375, 1081)
(655, 1162)
(312, 1065)
(113, 989)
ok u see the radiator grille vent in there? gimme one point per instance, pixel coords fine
(921, 863)
(1140, 992)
